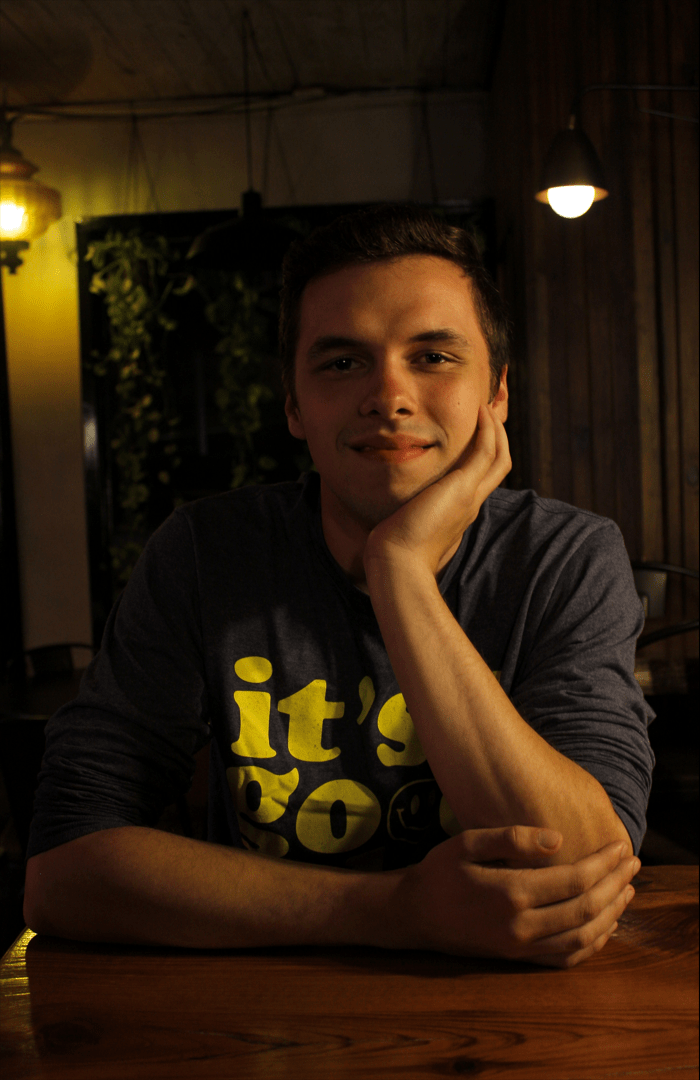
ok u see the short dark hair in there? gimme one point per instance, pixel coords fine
(383, 233)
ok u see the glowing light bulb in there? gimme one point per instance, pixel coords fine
(12, 218)
(571, 202)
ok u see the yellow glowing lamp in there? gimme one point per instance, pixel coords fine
(12, 219)
(571, 201)
(27, 208)
(572, 178)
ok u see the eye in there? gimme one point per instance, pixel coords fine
(341, 363)
(435, 358)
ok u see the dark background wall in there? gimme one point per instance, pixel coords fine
(605, 377)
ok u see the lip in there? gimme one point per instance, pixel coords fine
(395, 448)
(390, 442)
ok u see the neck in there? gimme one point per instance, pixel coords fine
(346, 537)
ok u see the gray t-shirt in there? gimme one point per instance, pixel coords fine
(239, 626)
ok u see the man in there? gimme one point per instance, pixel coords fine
(425, 728)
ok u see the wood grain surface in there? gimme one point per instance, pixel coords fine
(84, 1012)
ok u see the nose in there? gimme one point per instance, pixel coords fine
(389, 391)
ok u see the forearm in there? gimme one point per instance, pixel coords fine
(134, 885)
(491, 766)
(143, 886)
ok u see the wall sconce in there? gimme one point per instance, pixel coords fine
(572, 177)
(27, 208)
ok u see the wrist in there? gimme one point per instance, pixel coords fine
(369, 912)
(399, 588)
(393, 565)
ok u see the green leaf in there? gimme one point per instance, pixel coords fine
(187, 286)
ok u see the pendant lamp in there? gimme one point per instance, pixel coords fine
(27, 208)
(572, 177)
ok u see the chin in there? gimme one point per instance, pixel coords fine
(370, 508)
(370, 512)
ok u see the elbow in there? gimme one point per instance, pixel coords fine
(604, 825)
(611, 830)
(51, 894)
(36, 910)
(622, 834)
(597, 827)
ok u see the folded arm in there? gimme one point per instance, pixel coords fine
(492, 767)
(138, 885)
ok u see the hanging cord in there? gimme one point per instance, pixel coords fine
(153, 198)
(404, 30)
(246, 94)
(256, 49)
(429, 147)
(423, 138)
(131, 192)
(285, 48)
(445, 41)
(266, 154)
(137, 151)
(284, 162)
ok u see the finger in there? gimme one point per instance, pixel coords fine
(564, 960)
(492, 444)
(479, 453)
(580, 928)
(554, 884)
(502, 444)
(482, 453)
(484, 463)
(511, 842)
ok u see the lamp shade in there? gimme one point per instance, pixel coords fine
(27, 208)
(572, 162)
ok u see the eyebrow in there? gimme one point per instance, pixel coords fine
(330, 342)
(445, 334)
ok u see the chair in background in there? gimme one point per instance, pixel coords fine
(25, 708)
(671, 687)
(53, 681)
(650, 580)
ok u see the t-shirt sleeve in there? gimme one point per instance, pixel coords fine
(123, 749)
(575, 684)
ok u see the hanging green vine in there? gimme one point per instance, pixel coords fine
(138, 278)
(133, 274)
(241, 317)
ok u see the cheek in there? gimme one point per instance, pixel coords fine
(459, 417)
(320, 439)
(321, 420)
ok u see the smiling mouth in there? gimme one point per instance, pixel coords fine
(394, 454)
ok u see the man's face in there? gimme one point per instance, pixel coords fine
(391, 368)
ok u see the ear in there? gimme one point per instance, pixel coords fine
(499, 401)
(294, 423)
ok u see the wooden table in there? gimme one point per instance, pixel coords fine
(92, 1012)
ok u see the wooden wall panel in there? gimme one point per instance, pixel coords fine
(605, 373)
(683, 21)
(643, 193)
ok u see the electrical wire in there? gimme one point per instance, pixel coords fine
(124, 109)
